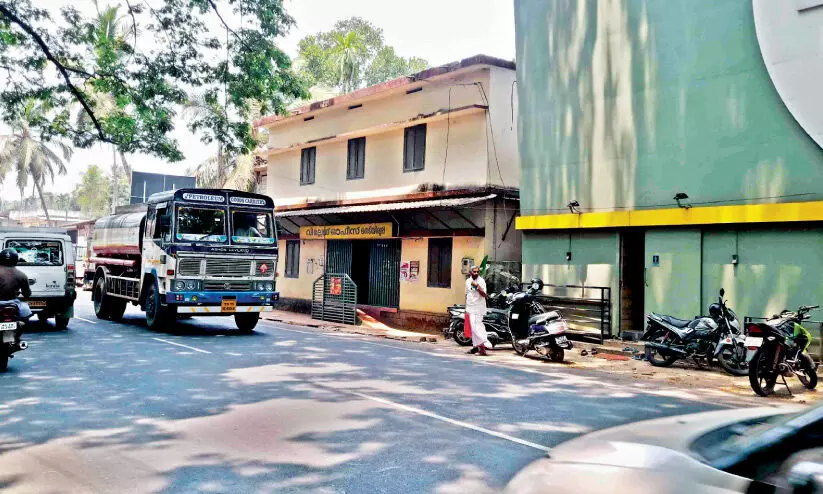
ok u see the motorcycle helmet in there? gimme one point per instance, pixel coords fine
(714, 311)
(8, 257)
(536, 284)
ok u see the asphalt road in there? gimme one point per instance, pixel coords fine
(114, 407)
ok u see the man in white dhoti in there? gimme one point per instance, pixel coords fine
(476, 309)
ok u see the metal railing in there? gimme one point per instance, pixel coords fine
(334, 299)
(816, 346)
(587, 309)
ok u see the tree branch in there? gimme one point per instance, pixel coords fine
(214, 8)
(60, 67)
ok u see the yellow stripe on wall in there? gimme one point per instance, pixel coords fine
(711, 215)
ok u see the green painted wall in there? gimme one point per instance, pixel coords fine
(624, 103)
(673, 285)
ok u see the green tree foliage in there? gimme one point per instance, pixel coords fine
(94, 192)
(131, 68)
(28, 155)
(352, 55)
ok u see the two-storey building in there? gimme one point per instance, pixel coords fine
(402, 185)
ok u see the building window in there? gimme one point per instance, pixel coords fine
(292, 259)
(440, 262)
(307, 160)
(414, 148)
(357, 159)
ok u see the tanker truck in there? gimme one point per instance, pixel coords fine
(187, 253)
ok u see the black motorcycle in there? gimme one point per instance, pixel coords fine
(10, 333)
(495, 319)
(778, 350)
(544, 332)
(718, 336)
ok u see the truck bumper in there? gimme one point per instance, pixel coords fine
(214, 299)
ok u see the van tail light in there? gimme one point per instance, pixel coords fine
(70, 276)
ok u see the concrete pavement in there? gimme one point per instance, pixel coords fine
(114, 407)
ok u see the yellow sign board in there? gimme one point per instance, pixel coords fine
(346, 232)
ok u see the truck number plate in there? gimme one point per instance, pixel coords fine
(8, 326)
(36, 303)
(228, 305)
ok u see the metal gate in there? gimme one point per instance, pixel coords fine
(338, 256)
(334, 299)
(384, 273)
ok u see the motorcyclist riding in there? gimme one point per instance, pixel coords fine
(13, 282)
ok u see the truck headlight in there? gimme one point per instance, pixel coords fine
(179, 285)
(260, 286)
(269, 286)
(192, 285)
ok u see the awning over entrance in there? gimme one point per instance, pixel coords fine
(456, 216)
(392, 206)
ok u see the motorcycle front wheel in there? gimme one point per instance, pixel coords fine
(762, 377)
(654, 357)
(557, 354)
(520, 349)
(809, 375)
(460, 335)
(733, 360)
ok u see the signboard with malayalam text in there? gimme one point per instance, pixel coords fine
(364, 231)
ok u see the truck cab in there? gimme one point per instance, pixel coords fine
(46, 255)
(189, 253)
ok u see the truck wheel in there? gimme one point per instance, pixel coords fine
(117, 306)
(246, 322)
(156, 314)
(61, 322)
(98, 296)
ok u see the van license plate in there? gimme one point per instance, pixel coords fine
(561, 340)
(36, 303)
(8, 336)
(228, 306)
(752, 341)
(8, 326)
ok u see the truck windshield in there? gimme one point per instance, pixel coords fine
(252, 227)
(37, 252)
(201, 224)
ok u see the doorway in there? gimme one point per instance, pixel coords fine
(374, 266)
(360, 263)
(632, 281)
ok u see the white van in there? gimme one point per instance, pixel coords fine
(47, 257)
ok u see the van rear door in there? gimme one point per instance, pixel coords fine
(44, 262)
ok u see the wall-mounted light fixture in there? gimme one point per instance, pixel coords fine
(735, 259)
(574, 206)
(568, 256)
(682, 196)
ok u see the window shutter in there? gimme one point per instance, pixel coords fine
(361, 157)
(408, 149)
(420, 147)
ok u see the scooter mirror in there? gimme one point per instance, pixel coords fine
(722, 292)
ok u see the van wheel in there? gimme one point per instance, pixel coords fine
(61, 322)
(246, 322)
(156, 314)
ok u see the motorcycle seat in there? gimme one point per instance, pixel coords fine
(673, 321)
(544, 317)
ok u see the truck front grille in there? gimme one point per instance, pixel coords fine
(228, 268)
(188, 266)
(223, 286)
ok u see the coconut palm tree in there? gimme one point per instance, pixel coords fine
(28, 156)
(111, 37)
(348, 49)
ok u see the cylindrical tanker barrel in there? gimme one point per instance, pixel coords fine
(118, 235)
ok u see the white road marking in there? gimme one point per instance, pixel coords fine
(85, 320)
(184, 346)
(459, 423)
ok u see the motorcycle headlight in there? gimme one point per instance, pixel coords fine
(180, 285)
(269, 287)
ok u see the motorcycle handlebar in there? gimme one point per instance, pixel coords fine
(806, 308)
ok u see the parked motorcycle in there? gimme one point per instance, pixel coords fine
(669, 339)
(544, 332)
(495, 319)
(777, 348)
(10, 333)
